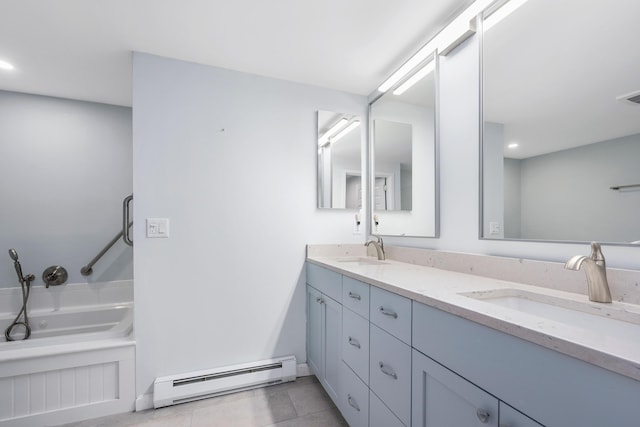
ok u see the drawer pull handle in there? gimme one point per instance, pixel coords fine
(388, 371)
(354, 342)
(354, 296)
(482, 415)
(388, 313)
(353, 403)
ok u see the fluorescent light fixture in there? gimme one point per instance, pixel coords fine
(324, 139)
(354, 124)
(504, 11)
(4, 65)
(513, 145)
(445, 41)
(419, 75)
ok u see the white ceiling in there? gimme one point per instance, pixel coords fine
(81, 49)
(553, 70)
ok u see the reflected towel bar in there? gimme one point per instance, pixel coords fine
(620, 187)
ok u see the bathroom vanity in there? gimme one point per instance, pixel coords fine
(400, 344)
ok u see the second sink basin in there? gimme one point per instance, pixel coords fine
(610, 319)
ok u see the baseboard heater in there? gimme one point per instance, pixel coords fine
(174, 389)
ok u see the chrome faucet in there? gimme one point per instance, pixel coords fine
(378, 244)
(596, 270)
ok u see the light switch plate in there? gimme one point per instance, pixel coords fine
(157, 227)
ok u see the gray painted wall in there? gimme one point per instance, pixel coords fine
(512, 211)
(566, 194)
(65, 167)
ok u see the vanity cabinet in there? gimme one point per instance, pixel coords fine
(442, 398)
(324, 327)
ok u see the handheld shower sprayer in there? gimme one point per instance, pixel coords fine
(25, 284)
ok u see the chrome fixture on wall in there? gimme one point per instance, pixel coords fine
(25, 284)
(124, 234)
(54, 276)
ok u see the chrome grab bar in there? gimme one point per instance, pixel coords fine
(126, 224)
(88, 269)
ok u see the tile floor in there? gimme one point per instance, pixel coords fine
(302, 403)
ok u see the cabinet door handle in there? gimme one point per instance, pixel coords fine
(354, 342)
(353, 403)
(319, 300)
(388, 371)
(354, 296)
(482, 415)
(388, 313)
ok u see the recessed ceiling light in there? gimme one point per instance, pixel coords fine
(513, 145)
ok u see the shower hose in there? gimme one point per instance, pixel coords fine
(25, 284)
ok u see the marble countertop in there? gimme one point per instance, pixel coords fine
(444, 290)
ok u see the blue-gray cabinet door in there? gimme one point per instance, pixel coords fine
(332, 345)
(440, 398)
(314, 332)
(509, 417)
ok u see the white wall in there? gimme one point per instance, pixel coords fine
(227, 286)
(459, 172)
(512, 205)
(65, 167)
(493, 178)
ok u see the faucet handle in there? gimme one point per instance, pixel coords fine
(596, 252)
(379, 240)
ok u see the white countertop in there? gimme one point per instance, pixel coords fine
(441, 289)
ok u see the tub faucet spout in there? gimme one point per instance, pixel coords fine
(596, 271)
(378, 244)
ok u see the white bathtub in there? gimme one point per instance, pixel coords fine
(78, 362)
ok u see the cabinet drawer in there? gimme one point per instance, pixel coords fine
(392, 313)
(354, 398)
(326, 281)
(355, 343)
(390, 372)
(380, 415)
(355, 295)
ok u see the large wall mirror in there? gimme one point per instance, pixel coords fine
(339, 161)
(561, 122)
(403, 151)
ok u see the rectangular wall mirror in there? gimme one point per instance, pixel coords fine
(339, 161)
(561, 122)
(403, 151)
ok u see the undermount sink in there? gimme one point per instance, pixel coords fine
(610, 319)
(360, 261)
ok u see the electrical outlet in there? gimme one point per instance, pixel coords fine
(157, 227)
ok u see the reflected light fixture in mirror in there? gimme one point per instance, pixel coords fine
(403, 153)
(339, 161)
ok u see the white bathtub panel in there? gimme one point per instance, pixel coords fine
(67, 388)
(6, 397)
(96, 378)
(82, 385)
(36, 392)
(20, 395)
(110, 381)
(52, 390)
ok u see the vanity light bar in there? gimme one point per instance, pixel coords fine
(445, 41)
(419, 75)
(324, 139)
(502, 12)
(4, 65)
(354, 124)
